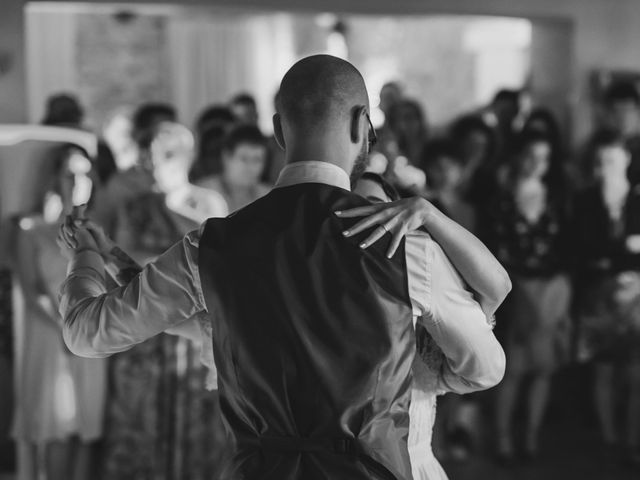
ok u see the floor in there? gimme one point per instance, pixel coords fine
(566, 455)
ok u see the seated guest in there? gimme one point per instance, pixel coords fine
(243, 161)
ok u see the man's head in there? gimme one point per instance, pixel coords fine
(323, 113)
(622, 102)
(244, 155)
(244, 108)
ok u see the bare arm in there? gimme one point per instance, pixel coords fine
(477, 265)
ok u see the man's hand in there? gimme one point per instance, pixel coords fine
(73, 239)
(397, 218)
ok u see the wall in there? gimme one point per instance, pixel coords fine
(606, 34)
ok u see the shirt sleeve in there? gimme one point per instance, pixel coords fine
(98, 323)
(473, 357)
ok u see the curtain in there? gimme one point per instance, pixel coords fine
(51, 57)
(216, 56)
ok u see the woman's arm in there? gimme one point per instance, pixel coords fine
(477, 265)
(29, 277)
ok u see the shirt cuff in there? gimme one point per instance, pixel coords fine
(87, 259)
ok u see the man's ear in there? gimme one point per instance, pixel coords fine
(277, 131)
(357, 117)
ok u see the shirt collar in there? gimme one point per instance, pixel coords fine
(313, 172)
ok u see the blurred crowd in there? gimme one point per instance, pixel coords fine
(565, 223)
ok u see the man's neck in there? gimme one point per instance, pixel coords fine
(331, 156)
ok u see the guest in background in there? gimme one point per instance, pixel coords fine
(137, 179)
(63, 110)
(622, 113)
(214, 116)
(243, 161)
(607, 242)
(502, 113)
(60, 397)
(391, 94)
(162, 424)
(478, 147)
(386, 150)
(543, 121)
(145, 120)
(244, 109)
(408, 123)
(211, 129)
(445, 173)
(528, 235)
(117, 135)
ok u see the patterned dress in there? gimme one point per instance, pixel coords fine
(162, 424)
(536, 255)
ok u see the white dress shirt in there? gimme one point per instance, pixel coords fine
(98, 323)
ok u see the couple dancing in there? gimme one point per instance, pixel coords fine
(334, 319)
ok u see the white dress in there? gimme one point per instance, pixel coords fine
(422, 412)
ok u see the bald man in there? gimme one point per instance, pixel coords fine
(312, 325)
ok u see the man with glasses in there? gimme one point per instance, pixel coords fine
(312, 327)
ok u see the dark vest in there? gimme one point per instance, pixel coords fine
(313, 340)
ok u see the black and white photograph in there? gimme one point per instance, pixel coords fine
(320, 240)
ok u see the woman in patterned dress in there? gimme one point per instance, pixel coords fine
(527, 233)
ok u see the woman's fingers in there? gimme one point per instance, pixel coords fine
(396, 239)
(379, 218)
(360, 211)
(377, 234)
(68, 231)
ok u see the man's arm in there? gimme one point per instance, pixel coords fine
(164, 294)
(473, 357)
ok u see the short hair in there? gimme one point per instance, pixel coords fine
(621, 91)
(606, 137)
(145, 119)
(244, 135)
(507, 95)
(63, 109)
(244, 98)
(527, 138)
(386, 186)
(214, 115)
(318, 89)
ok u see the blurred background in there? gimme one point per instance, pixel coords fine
(479, 107)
